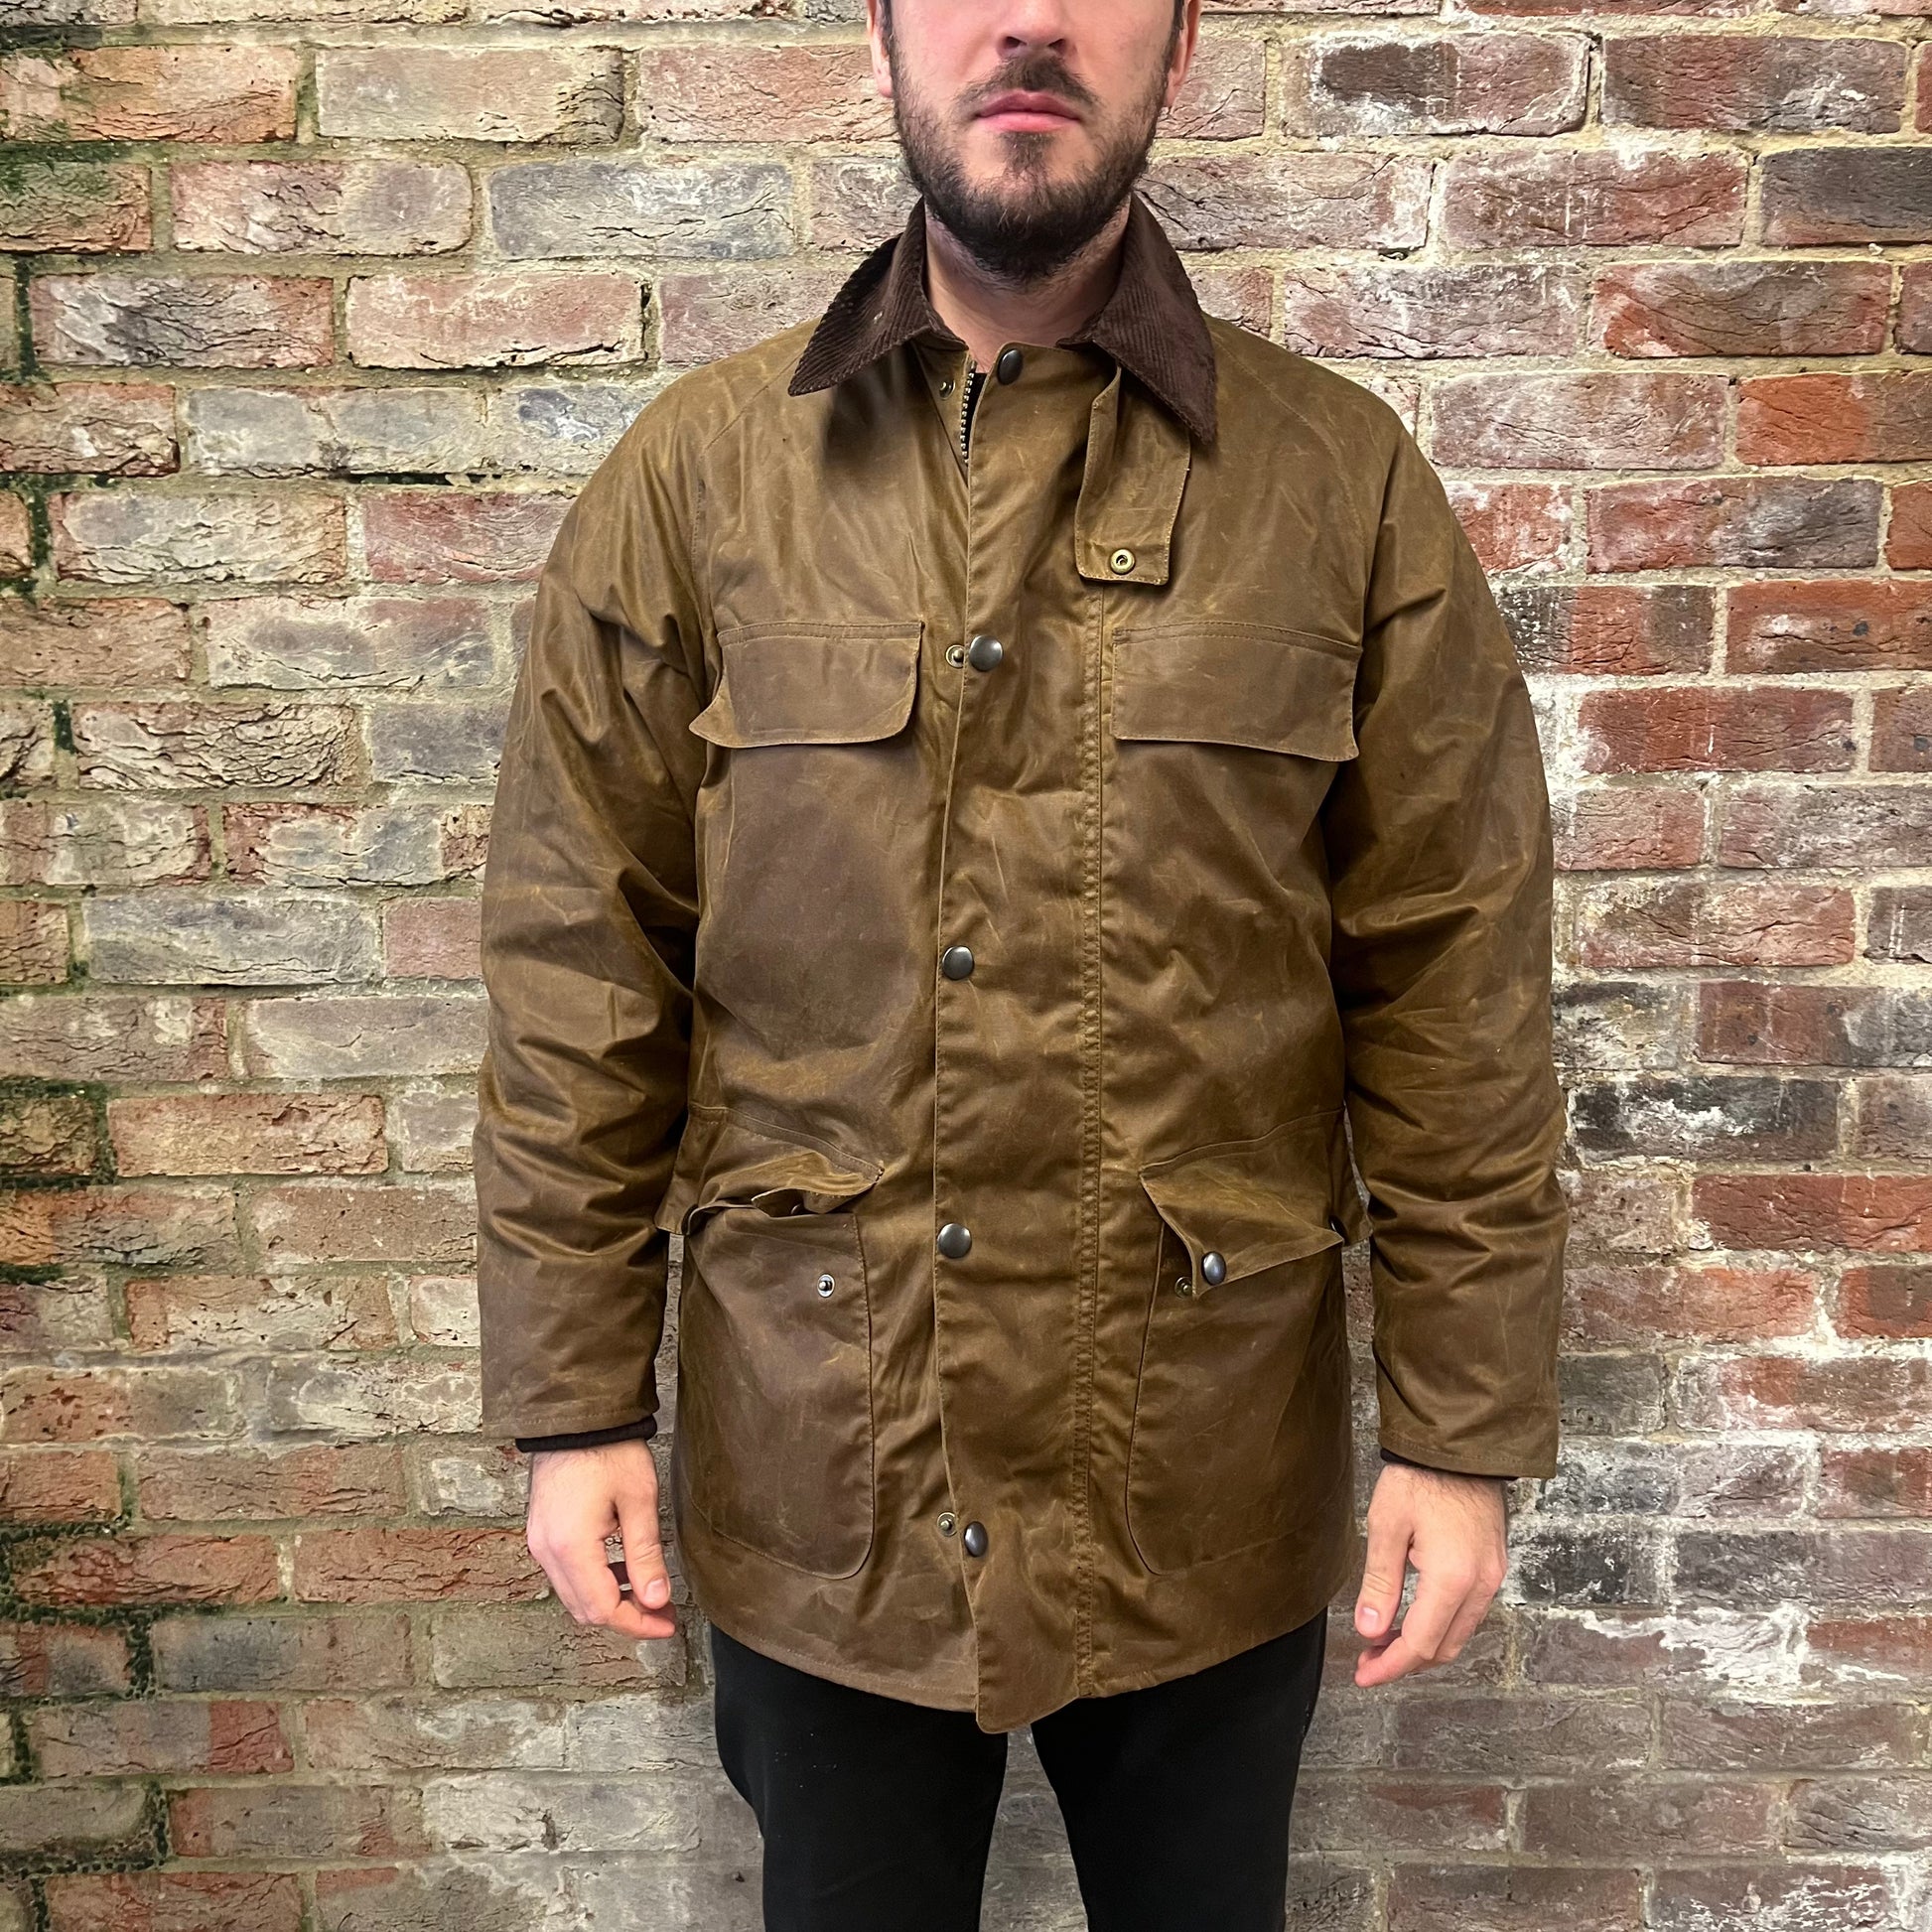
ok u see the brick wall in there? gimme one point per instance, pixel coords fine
(314, 328)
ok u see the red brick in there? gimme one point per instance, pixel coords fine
(315, 1822)
(57, 1485)
(259, 1485)
(1701, 728)
(1859, 1653)
(1854, 625)
(423, 536)
(1613, 629)
(1743, 308)
(175, 1901)
(78, 1405)
(729, 91)
(1647, 926)
(1876, 1483)
(433, 938)
(122, 644)
(1511, 526)
(409, 1565)
(506, 318)
(1864, 417)
(108, 429)
(1888, 1303)
(231, 94)
(1595, 420)
(1846, 1392)
(164, 1734)
(1637, 1306)
(1647, 828)
(40, 1660)
(33, 943)
(113, 1036)
(248, 1133)
(147, 1570)
(129, 1227)
(1744, 82)
(1767, 1024)
(1735, 523)
(234, 322)
(73, 207)
(268, 1313)
(1675, 1817)
(1869, 1213)
(1597, 198)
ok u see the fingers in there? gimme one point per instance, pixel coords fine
(578, 1499)
(1450, 1603)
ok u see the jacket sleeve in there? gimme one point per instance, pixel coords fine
(589, 921)
(1441, 879)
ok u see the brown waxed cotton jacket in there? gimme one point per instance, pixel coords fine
(988, 882)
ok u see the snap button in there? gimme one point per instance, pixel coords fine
(948, 1522)
(954, 1240)
(825, 1285)
(956, 962)
(955, 653)
(1007, 369)
(975, 1539)
(1121, 561)
(1182, 1286)
(1213, 1268)
(984, 653)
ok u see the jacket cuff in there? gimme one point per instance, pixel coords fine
(628, 1432)
(1390, 1455)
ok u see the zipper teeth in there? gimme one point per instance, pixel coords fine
(965, 409)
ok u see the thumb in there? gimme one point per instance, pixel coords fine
(643, 1557)
(1383, 1569)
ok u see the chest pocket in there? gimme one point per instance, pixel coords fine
(798, 683)
(1224, 682)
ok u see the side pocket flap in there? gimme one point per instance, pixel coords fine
(1255, 1203)
(812, 684)
(727, 1159)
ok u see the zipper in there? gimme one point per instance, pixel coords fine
(968, 390)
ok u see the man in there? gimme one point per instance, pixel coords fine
(1012, 783)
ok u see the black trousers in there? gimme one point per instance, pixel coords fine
(876, 1814)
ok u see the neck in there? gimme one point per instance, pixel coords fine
(984, 311)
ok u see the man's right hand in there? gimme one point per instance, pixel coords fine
(580, 1496)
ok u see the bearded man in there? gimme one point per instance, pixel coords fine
(1018, 793)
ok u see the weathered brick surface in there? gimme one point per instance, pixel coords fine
(314, 317)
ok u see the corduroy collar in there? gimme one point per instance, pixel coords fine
(1151, 322)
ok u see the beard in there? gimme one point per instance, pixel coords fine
(1029, 225)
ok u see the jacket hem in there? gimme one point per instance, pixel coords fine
(839, 1670)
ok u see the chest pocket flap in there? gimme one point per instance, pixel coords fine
(1218, 682)
(791, 683)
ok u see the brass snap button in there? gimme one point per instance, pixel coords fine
(1121, 561)
(948, 1522)
(825, 1285)
(955, 653)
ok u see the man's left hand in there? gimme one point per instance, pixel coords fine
(1451, 1528)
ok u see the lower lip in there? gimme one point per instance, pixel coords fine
(1026, 120)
